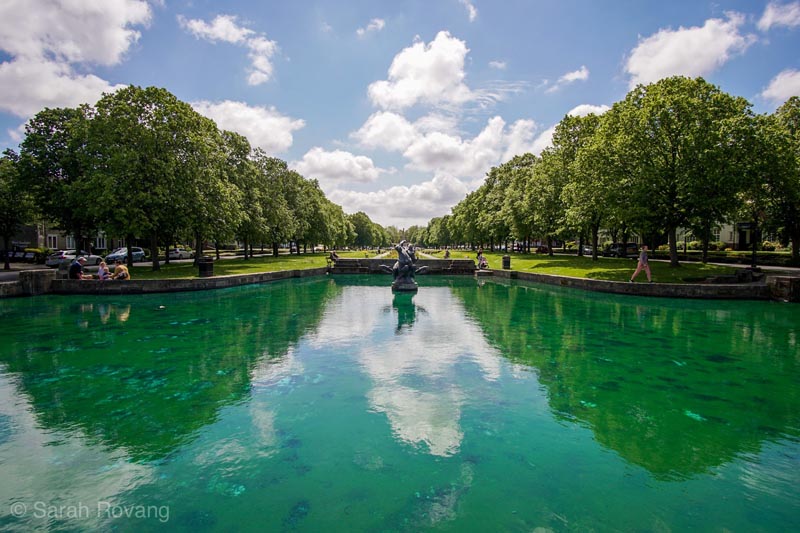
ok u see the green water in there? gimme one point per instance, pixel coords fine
(334, 405)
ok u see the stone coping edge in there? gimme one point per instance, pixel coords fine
(43, 282)
(738, 291)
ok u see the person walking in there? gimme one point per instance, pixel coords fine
(643, 265)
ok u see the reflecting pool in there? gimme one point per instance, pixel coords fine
(331, 404)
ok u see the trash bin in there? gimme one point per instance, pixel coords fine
(206, 265)
(506, 262)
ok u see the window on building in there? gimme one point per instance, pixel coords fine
(52, 241)
(716, 235)
(100, 242)
(70, 242)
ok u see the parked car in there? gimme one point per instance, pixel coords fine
(180, 253)
(543, 249)
(68, 256)
(122, 254)
(616, 249)
(587, 250)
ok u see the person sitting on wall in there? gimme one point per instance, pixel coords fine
(482, 262)
(334, 256)
(76, 269)
(120, 271)
(102, 272)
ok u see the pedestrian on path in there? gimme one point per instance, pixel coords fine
(643, 265)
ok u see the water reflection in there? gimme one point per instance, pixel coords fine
(412, 364)
(145, 375)
(406, 310)
(675, 387)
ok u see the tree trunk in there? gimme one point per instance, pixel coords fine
(672, 235)
(246, 257)
(706, 238)
(129, 245)
(154, 251)
(274, 249)
(756, 231)
(595, 240)
(549, 246)
(198, 247)
(6, 261)
(794, 237)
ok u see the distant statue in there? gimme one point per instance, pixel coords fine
(403, 270)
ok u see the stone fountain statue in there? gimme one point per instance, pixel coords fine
(404, 269)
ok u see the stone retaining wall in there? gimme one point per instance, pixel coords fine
(373, 266)
(784, 288)
(739, 291)
(146, 286)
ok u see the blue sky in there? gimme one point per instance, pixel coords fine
(398, 108)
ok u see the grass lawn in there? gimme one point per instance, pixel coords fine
(228, 265)
(560, 265)
(225, 267)
(605, 268)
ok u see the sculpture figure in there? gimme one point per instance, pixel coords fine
(404, 270)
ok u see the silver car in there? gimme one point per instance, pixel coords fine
(68, 256)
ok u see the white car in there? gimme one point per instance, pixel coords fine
(180, 253)
(68, 256)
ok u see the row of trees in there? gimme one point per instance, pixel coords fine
(679, 153)
(143, 164)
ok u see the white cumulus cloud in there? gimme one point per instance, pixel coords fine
(777, 14)
(386, 130)
(545, 138)
(582, 74)
(443, 153)
(430, 73)
(499, 65)
(264, 127)
(695, 51)
(404, 205)
(586, 109)
(78, 31)
(783, 86)
(47, 40)
(27, 86)
(337, 167)
(375, 25)
(225, 28)
(472, 11)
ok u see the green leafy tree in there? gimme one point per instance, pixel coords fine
(278, 215)
(769, 161)
(788, 204)
(139, 141)
(517, 208)
(667, 150)
(16, 205)
(592, 192)
(53, 164)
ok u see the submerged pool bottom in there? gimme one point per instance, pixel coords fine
(331, 404)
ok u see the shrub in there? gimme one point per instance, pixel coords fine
(663, 248)
(695, 245)
(768, 246)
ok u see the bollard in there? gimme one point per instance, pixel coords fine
(206, 266)
(506, 262)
